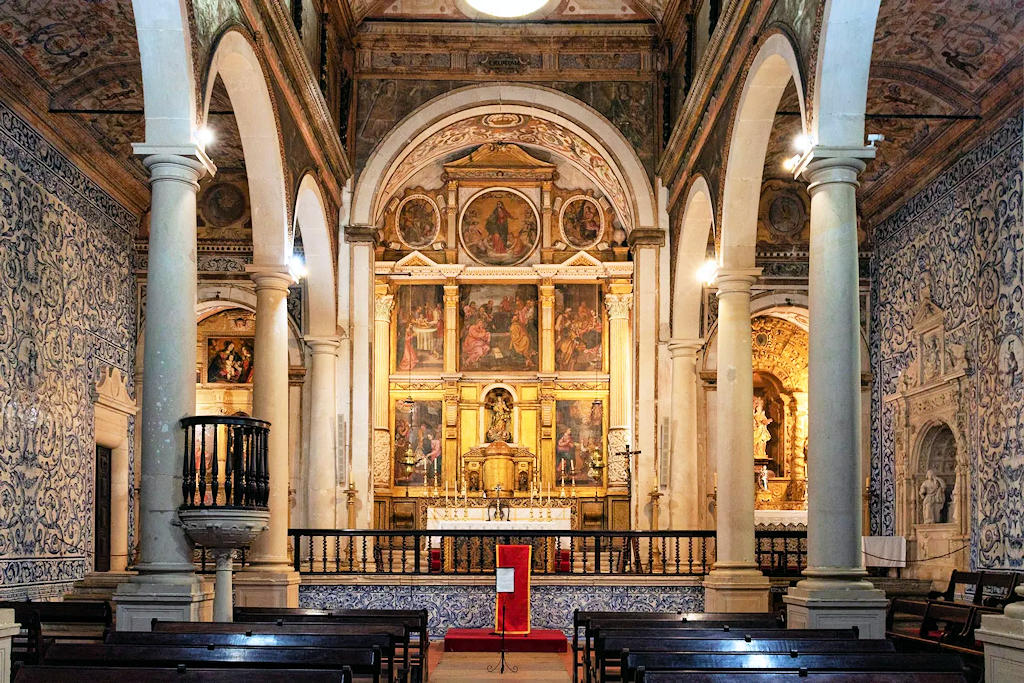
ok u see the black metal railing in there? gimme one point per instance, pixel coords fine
(225, 462)
(781, 552)
(659, 553)
(592, 553)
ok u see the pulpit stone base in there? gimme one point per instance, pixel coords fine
(736, 590)
(1004, 648)
(266, 588)
(144, 598)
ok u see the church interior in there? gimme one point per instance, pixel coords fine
(704, 308)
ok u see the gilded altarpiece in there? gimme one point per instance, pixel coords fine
(501, 345)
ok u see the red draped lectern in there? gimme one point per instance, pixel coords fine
(515, 606)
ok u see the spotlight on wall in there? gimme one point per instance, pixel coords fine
(707, 271)
(297, 266)
(205, 136)
(803, 143)
(875, 138)
(790, 163)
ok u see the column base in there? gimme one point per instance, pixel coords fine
(815, 603)
(267, 587)
(736, 590)
(146, 597)
(98, 585)
(1004, 648)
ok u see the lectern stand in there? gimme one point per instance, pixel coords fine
(504, 582)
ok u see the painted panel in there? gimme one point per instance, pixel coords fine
(419, 329)
(418, 436)
(578, 328)
(579, 430)
(499, 327)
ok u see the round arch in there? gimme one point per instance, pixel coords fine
(235, 61)
(168, 83)
(476, 100)
(311, 219)
(697, 223)
(774, 65)
(841, 72)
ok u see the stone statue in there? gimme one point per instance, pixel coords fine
(761, 434)
(501, 421)
(762, 478)
(933, 498)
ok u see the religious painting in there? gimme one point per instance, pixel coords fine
(579, 434)
(418, 437)
(499, 327)
(229, 360)
(417, 221)
(499, 228)
(581, 222)
(578, 328)
(419, 328)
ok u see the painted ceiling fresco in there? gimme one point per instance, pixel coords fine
(566, 10)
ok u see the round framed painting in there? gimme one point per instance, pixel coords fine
(499, 227)
(417, 221)
(581, 222)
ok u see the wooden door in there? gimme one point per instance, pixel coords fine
(101, 533)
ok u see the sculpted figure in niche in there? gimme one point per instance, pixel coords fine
(933, 498)
(761, 434)
(501, 421)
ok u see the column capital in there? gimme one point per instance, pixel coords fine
(646, 237)
(729, 280)
(382, 307)
(175, 167)
(618, 305)
(190, 154)
(833, 164)
(680, 347)
(271, 276)
(323, 345)
(361, 234)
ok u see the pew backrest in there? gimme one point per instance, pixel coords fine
(46, 673)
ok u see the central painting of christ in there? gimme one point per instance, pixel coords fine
(499, 327)
(499, 228)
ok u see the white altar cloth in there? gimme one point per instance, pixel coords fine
(885, 551)
(518, 518)
(782, 517)
(475, 525)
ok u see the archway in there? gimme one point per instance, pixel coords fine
(237, 65)
(774, 66)
(615, 159)
(318, 253)
(165, 50)
(691, 252)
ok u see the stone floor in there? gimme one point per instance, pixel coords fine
(463, 667)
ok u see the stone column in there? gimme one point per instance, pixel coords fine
(834, 591)
(684, 502)
(451, 326)
(322, 473)
(269, 580)
(384, 304)
(361, 239)
(166, 586)
(735, 584)
(646, 243)
(618, 300)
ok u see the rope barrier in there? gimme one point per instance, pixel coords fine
(927, 559)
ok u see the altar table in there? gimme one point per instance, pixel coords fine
(544, 549)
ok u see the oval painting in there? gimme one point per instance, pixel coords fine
(418, 222)
(499, 228)
(582, 222)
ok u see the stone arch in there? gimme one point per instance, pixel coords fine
(509, 98)
(168, 81)
(774, 65)
(841, 72)
(238, 66)
(697, 223)
(311, 218)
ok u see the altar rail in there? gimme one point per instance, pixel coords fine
(468, 552)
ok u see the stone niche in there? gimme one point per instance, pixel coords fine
(930, 436)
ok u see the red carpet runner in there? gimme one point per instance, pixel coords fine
(484, 640)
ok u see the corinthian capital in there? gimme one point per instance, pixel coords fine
(618, 305)
(383, 305)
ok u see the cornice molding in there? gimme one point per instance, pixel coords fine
(505, 31)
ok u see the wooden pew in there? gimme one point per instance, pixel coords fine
(415, 620)
(398, 634)
(854, 662)
(584, 621)
(51, 619)
(45, 673)
(753, 676)
(364, 662)
(386, 643)
(609, 648)
(969, 581)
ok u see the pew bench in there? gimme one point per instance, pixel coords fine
(639, 664)
(46, 673)
(76, 621)
(759, 676)
(365, 663)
